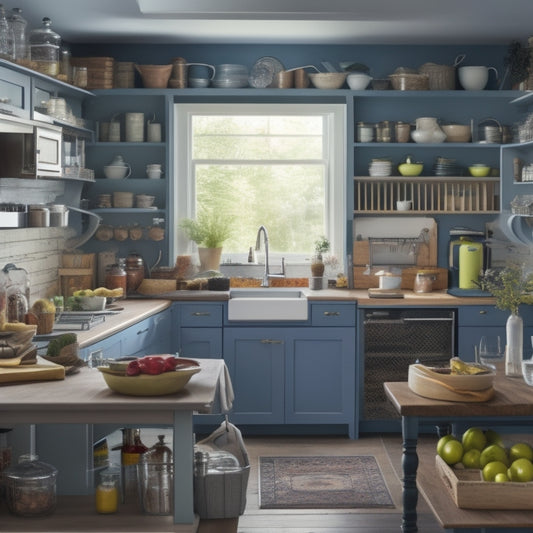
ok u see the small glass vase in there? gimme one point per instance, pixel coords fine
(514, 330)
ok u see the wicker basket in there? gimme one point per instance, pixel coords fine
(441, 77)
(410, 82)
(154, 76)
(100, 71)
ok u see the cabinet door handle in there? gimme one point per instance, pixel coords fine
(483, 312)
(201, 313)
(141, 331)
(331, 313)
(271, 341)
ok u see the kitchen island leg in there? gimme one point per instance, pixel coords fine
(409, 468)
(183, 454)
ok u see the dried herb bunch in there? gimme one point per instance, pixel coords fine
(510, 286)
(517, 61)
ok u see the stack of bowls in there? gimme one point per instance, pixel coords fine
(446, 167)
(229, 76)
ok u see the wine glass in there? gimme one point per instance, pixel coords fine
(490, 351)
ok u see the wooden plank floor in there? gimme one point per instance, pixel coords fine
(386, 449)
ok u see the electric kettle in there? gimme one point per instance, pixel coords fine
(470, 264)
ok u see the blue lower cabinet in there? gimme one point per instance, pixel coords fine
(200, 342)
(292, 375)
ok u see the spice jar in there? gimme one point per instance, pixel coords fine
(115, 277)
(424, 281)
(106, 495)
(31, 487)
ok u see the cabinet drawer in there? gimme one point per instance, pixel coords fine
(332, 314)
(481, 315)
(201, 315)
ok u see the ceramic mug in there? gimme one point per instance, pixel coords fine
(154, 171)
(153, 132)
(475, 78)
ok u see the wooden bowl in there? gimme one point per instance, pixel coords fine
(146, 384)
(155, 76)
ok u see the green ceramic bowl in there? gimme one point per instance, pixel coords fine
(410, 169)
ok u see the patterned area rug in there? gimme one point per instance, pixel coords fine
(334, 482)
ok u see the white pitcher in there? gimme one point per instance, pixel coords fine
(475, 78)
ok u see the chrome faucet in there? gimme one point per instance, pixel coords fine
(267, 274)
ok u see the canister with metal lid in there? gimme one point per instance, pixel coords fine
(39, 216)
(424, 281)
(58, 215)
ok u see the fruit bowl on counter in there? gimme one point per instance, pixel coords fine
(145, 384)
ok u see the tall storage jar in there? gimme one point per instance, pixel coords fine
(45, 45)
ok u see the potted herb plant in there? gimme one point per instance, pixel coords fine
(322, 246)
(209, 231)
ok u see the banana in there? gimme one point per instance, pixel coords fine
(457, 366)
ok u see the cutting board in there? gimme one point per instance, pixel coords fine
(43, 370)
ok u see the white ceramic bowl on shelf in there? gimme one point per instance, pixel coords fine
(116, 172)
(328, 80)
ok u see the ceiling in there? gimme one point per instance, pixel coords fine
(341, 22)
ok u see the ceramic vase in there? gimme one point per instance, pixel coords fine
(514, 330)
(428, 131)
(209, 258)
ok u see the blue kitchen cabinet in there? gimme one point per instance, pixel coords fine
(295, 376)
(199, 326)
(255, 358)
(476, 321)
(149, 336)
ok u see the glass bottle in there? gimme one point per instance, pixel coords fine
(44, 48)
(6, 35)
(65, 68)
(106, 495)
(130, 455)
(20, 37)
(514, 331)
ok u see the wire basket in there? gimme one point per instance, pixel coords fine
(441, 77)
(522, 205)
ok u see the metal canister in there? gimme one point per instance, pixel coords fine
(39, 216)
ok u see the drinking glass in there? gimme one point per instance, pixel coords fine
(490, 351)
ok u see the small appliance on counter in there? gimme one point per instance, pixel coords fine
(467, 260)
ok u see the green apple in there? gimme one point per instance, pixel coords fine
(519, 450)
(474, 438)
(521, 470)
(471, 459)
(490, 470)
(493, 452)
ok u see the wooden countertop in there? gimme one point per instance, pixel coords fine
(434, 298)
(134, 311)
(85, 398)
(512, 398)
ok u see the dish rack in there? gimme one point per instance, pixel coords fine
(400, 251)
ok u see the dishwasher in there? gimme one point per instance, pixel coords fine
(396, 338)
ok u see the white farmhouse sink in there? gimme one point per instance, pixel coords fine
(267, 304)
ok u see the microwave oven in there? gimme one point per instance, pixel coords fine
(32, 151)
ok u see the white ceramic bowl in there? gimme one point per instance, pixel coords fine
(92, 303)
(116, 172)
(457, 133)
(403, 205)
(358, 81)
(328, 80)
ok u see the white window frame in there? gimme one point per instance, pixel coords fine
(184, 187)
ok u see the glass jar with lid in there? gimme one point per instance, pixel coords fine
(134, 271)
(31, 487)
(424, 281)
(115, 277)
(45, 47)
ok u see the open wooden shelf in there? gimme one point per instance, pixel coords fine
(429, 194)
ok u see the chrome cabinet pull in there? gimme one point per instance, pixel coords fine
(331, 313)
(141, 331)
(483, 312)
(271, 341)
(200, 313)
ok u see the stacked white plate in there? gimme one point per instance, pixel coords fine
(380, 167)
(229, 76)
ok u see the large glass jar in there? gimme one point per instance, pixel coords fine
(45, 45)
(17, 287)
(20, 38)
(134, 271)
(31, 487)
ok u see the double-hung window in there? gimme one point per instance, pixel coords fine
(277, 165)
